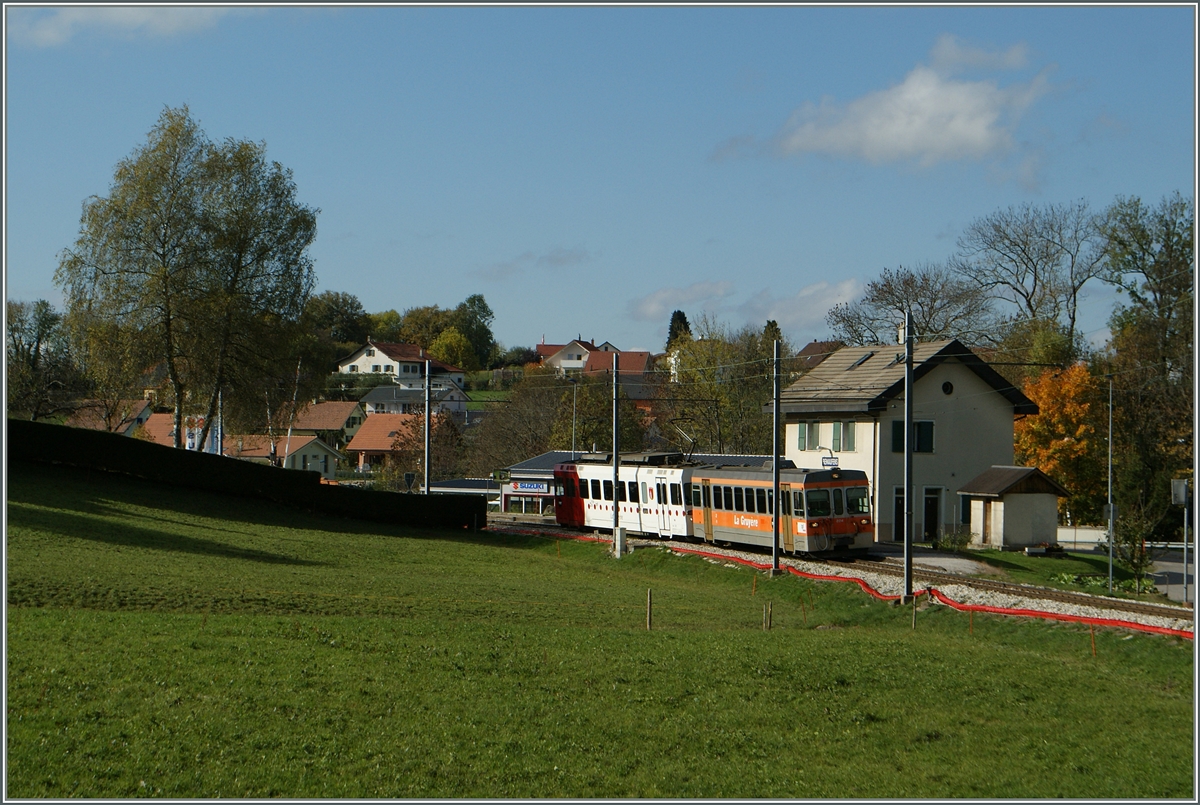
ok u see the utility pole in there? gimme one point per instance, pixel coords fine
(618, 535)
(775, 466)
(1111, 518)
(428, 400)
(908, 454)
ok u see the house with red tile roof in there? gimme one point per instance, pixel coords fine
(375, 437)
(121, 416)
(160, 429)
(404, 363)
(635, 369)
(300, 452)
(335, 423)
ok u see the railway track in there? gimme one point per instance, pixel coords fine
(940, 578)
(937, 577)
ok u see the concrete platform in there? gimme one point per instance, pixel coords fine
(934, 560)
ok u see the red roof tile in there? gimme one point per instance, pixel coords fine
(324, 416)
(631, 363)
(90, 414)
(412, 352)
(379, 431)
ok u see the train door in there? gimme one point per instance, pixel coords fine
(706, 500)
(786, 529)
(664, 513)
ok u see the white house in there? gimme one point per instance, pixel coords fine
(404, 400)
(850, 408)
(404, 363)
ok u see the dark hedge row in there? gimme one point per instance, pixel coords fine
(108, 452)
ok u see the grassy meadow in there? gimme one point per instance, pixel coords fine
(175, 644)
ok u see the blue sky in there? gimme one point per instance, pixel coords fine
(589, 170)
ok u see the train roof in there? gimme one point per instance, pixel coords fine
(668, 458)
(754, 468)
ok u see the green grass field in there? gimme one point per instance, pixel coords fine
(487, 400)
(174, 644)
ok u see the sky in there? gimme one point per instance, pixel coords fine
(591, 169)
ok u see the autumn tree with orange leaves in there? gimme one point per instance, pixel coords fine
(1066, 440)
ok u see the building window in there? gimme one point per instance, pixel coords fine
(922, 436)
(370, 353)
(843, 437)
(354, 367)
(809, 436)
(387, 367)
(304, 461)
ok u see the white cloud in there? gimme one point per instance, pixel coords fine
(555, 258)
(49, 28)
(929, 117)
(804, 311)
(659, 305)
(949, 55)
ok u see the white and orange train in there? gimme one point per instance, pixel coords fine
(661, 494)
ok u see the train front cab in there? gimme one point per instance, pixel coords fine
(568, 506)
(827, 516)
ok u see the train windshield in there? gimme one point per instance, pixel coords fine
(818, 503)
(857, 500)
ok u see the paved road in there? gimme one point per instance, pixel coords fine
(1168, 575)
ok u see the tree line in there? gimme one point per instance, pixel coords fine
(195, 266)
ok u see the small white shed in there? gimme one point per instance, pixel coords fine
(1012, 507)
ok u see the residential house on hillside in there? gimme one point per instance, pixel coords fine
(404, 363)
(811, 355)
(850, 407)
(563, 358)
(634, 367)
(123, 416)
(160, 429)
(373, 442)
(300, 452)
(403, 400)
(335, 423)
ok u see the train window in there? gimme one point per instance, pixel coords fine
(785, 501)
(608, 490)
(705, 497)
(558, 489)
(857, 501)
(676, 495)
(633, 492)
(696, 497)
(798, 503)
(760, 496)
(728, 498)
(718, 498)
(596, 490)
(818, 503)
(644, 491)
(568, 487)
(739, 503)
(837, 501)
(770, 501)
(583, 488)
(620, 491)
